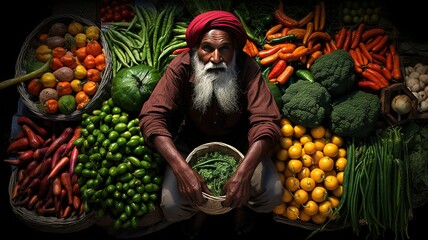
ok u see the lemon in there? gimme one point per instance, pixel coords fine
(48, 79)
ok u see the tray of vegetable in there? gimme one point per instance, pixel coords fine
(69, 64)
(215, 162)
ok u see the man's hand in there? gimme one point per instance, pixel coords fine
(237, 192)
(191, 185)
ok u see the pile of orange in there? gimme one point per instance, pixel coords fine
(311, 163)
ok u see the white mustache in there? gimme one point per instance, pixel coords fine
(213, 66)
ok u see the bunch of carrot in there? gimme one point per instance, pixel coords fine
(45, 160)
(291, 41)
(376, 61)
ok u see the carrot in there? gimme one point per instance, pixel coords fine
(18, 145)
(363, 60)
(33, 140)
(287, 47)
(274, 29)
(76, 134)
(381, 44)
(29, 122)
(284, 31)
(386, 73)
(369, 85)
(388, 61)
(358, 34)
(357, 61)
(314, 48)
(268, 52)
(378, 57)
(66, 183)
(327, 48)
(341, 37)
(372, 75)
(306, 19)
(370, 44)
(273, 36)
(63, 138)
(76, 202)
(25, 157)
(309, 30)
(320, 35)
(253, 48)
(277, 69)
(348, 41)
(298, 53)
(317, 13)
(322, 16)
(62, 163)
(299, 32)
(269, 59)
(396, 70)
(314, 56)
(285, 20)
(372, 33)
(73, 159)
(58, 154)
(285, 75)
(392, 49)
(332, 44)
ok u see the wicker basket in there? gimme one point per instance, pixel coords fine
(214, 205)
(48, 224)
(27, 55)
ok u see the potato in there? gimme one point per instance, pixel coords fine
(48, 93)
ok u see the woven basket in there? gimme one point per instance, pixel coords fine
(331, 226)
(214, 204)
(27, 55)
(49, 224)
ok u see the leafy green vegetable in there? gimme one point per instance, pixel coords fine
(216, 169)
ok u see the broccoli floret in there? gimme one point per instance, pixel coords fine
(306, 103)
(355, 114)
(335, 71)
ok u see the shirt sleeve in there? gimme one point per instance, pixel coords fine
(264, 115)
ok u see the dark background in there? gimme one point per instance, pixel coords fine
(407, 17)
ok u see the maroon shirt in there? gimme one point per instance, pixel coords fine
(169, 110)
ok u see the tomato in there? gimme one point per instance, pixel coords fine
(305, 172)
(308, 184)
(325, 208)
(280, 209)
(318, 131)
(295, 151)
(319, 194)
(331, 149)
(331, 182)
(340, 164)
(294, 165)
(292, 213)
(310, 207)
(326, 163)
(301, 196)
(299, 131)
(34, 87)
(292, 183)
(286, 196)
(318, 175)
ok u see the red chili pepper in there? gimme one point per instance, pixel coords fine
(179, 50)
(277, 69)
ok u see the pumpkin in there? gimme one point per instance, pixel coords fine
(132, 86)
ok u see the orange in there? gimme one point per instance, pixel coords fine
(326, 163)
(338, 191)
(299, 131)
(319, 194)
(334, 201)
(279, 165)
(307, 160)
(309, 148)
(305, 172)
(287, 196)
(292, 212)
(300, 196)
(287, 130)
(318, 175)
(339, 177)
(310, 207)
(340, 164)
(325, 208)
(295, 151)
(282, 154)
(331, 150)
(305, 138)
(342, 152)
(304, 217)
(280, 209)
(292, 183)
(285, 142)
(317, 156)
(308, 184)
(338, 140)
(319, 143)
(318, 218)
(284, 121)
(318, 131)
(331, 182)
(294, 165)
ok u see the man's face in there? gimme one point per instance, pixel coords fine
(216, 46)
(215, 80)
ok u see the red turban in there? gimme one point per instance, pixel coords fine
(215, 19)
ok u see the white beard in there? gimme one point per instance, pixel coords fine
(215, 80)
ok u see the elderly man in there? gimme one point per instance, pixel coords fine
(214, 92)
